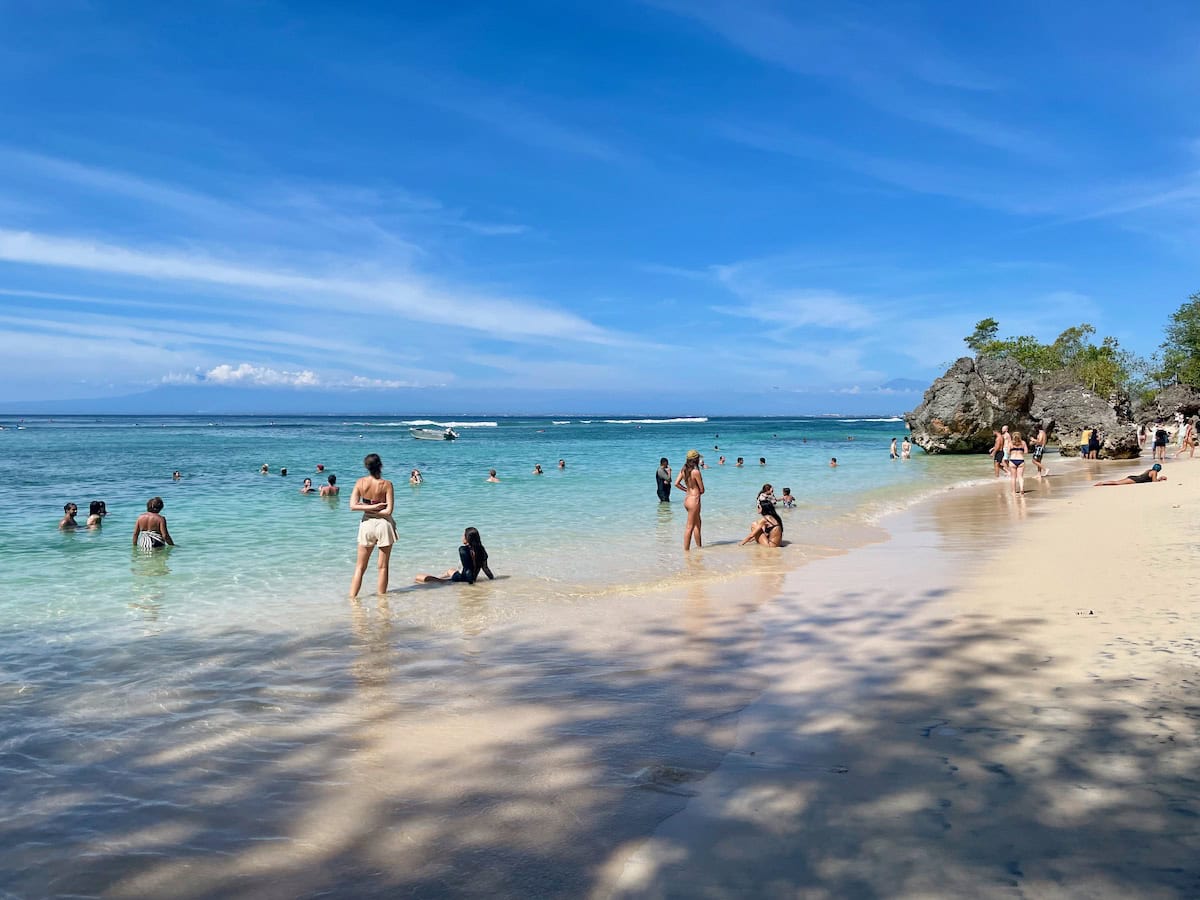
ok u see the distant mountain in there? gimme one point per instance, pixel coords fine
(470, 401)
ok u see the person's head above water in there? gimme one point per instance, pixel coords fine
(373, 464)
(766, 488)
(154, 505)
(308, 482)
(332, 479)
(70, 508)
(97, 508)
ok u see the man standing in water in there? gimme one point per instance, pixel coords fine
(662, 479)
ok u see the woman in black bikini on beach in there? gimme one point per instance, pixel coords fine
(768, 530)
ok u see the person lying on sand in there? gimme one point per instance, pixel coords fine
(1154, 473)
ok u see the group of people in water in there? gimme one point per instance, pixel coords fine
(767, 530)
(149, 531)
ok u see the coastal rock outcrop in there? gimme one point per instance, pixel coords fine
(962, 408)
(1065, 408)
(1178, 398)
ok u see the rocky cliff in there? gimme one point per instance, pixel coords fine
(962, 408)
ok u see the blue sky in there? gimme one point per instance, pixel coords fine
(788, 207)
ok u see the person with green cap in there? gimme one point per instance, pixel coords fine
(691, 481)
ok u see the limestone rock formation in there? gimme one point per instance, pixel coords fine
(1065, 408)
(962, 408)
(1178, 398)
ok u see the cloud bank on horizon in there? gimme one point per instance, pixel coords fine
(629, 200)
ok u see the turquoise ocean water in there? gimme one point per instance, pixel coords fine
(195, 702)
(251, 546)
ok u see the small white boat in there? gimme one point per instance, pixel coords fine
(434, 434)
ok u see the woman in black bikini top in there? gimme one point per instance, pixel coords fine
(768, 530)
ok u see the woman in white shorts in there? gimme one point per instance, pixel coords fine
(374, 496)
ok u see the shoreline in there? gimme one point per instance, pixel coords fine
(953, 732)
(506, 755)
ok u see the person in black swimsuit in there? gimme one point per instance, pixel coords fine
(768, 530)
(1154, 473)
(472, 556)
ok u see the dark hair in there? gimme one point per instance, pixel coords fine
(96, 506)
(762, 459)
(767, 508)
(787, 490)
(475, 545)
(332, 479)
(154, 505)
(663, 461)
(373, 464)
(67, 507)
(766, 487)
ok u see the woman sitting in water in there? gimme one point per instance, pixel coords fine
(472, 556)
(768, 530)
(1154, 473)
(150, 530)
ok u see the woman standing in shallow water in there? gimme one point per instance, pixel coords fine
(374, 497)
(692, 481)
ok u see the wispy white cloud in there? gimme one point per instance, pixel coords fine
(884, 65)
(249, 375)
(407, 295)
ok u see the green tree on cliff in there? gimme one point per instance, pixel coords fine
(1181, 349)
(1102, 368)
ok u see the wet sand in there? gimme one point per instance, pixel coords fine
(951, 714)
(862, 726)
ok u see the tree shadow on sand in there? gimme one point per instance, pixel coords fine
(387, 759)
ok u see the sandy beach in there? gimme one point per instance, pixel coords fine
(997, 700)
(1019, 721)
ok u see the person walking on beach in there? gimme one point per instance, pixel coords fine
(1188, 440)
(67, 522)
(692, 481)
(997, 452)
(1016, 462)
(473, 558)
(1039, 448)
(1007, 438)
(662, 481)
(1154, 473)
(1160, 442)
(150, 530)
(375, 498)
(331, 489)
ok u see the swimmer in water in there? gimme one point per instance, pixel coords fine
(150, 530)
(537, 469)
(331, 489)
(787, 501)
(307, 487)
(264, 470)
(833, 462)
(562, 463)
(492, 479)
(415, 477)
(68, 523)
(96, 513)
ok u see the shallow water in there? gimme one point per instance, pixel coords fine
(217, 717)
